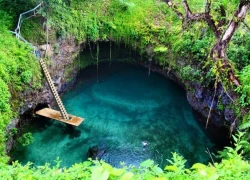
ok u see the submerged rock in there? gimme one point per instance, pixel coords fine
(93, 152)
(96, 152)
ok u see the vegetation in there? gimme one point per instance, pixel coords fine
(210, 39)
(232, 166)
(202, 42)
(26, 139)
(18, 72)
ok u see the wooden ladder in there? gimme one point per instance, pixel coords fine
(63, 112)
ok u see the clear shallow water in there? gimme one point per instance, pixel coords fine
(125, 108)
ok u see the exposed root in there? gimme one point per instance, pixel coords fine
(210, 155)
(110, 52)
(215, 90)
(91, 51)
(228, 94)
(97, 62)
(232, 127)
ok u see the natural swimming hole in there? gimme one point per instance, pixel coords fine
(122, 112)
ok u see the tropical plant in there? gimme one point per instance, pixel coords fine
(181, 35)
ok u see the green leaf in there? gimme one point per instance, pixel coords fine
(202, 172)
(87, 163)
(238, 148)
(127, 176)
(107, 166)
(161, 49)
(235, 138)
(157, 170)
(214, 176)
(98, 173)
(245, 125)
(147, 163)
(105, 175)
(171, 168)
(198, 166)
(117, 172)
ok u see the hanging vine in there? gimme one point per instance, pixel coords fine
(90, 49)
(97, 61)
(211, 106)
(149, 67)
(110, 52)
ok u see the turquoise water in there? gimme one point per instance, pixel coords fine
(123, 110)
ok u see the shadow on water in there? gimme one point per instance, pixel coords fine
(72, 131)
(122, 112)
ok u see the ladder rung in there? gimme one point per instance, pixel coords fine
(54, 90)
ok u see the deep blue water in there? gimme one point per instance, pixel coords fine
(122, 110)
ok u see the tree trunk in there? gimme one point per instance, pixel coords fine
(219, 49)
(218, 52)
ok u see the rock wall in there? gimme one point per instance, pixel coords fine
(63, 73)
(200, 98)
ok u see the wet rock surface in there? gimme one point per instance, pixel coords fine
(96, 152)
(63, 74)
(200, 98)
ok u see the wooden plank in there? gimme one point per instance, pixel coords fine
(53, 114)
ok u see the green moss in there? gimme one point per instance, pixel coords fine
(32, 31)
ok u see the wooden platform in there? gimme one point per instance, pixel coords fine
(53, 114)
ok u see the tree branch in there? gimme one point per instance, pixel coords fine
(223, 14)
(210, 21)
(245, 24)
(239, 16)
(189, 14)
(174, 8)
(219, 49)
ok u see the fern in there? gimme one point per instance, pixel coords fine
(245, 125)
